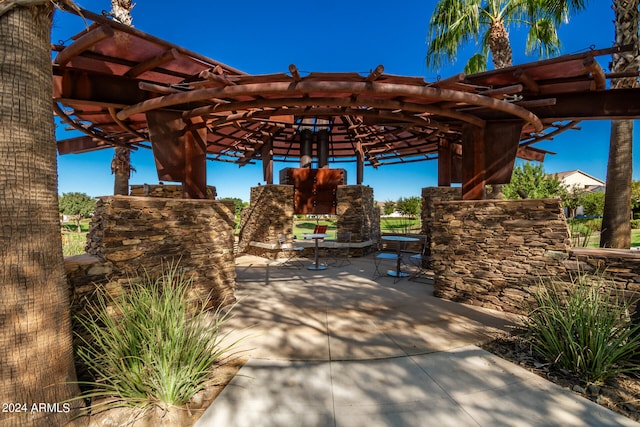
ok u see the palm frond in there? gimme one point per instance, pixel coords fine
(476, 64)
(453, 24)
(543, 38)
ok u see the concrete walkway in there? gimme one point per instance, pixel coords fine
(336, 348)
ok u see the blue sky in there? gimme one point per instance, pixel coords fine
(262, 37)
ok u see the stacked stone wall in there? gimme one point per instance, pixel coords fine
(431, 195)
(491, 252)
(169, 191)
(619, 268)
(136, 236)
(269, 214)
(357, 213)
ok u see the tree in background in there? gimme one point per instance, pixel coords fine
(616, 225)
(121, 164)
(530, 181)
(635, 195)
(238, 204)
(572, 199)
(409, 206)
(389, 207)
(36, 354)
(77, 206)
(456, 23)
(593, 203)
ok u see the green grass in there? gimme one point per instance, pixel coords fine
(305, 225)
(148, 346)
(400, 225)
(71, 226)
(594, 239)
(73, 243)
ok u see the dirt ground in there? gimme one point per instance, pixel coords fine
(620, 394)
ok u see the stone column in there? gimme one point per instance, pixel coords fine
(358, 213)
(270, 213)
(431, 195)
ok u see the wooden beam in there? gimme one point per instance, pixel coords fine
(452, 80)
(166, 132)
(150, 64)
(208, 75)
(500, 140)
(600, 105)
(125, 126)
(425, 111)
(194, 184)
(530, 83)
(156, 88)
(267, 161)
(304, 87)
(294, 73)
(596, 72)
(505, 90)
(529, 153)
(83, 43)
(81, 144)
(144, 36)
(376, 73)
(359, 164)
(445, 163)
(89, 131)
(473, 159)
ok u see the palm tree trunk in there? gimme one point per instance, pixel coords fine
(121, 169)
(501, 53)
(616, 226)
(36, 354)
(121, 10)
(499, 45)
(121, 163)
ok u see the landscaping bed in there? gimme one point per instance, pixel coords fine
(620, 393)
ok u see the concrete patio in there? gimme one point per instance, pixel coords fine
(337, 348)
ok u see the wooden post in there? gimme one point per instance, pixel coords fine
(444, 163)
(501, 139)
(194, 185)
(359, 164)
(473, 150)
(267, 161)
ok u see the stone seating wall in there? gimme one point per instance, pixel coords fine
(494, 253)
(172, 191)
(620, 267)
(135, 236)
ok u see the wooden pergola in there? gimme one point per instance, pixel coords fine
(123, 87)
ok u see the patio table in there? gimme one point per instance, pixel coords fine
(316, 237)
(400, 240)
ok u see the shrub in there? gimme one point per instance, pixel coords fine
(151, 345)
(582, 230)
(635, 224)
(581, 327)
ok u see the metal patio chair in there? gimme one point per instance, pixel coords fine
(419, 259)
(339, 250)
(292, 252)
(386, 258)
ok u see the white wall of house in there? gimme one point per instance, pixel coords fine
(579, 179)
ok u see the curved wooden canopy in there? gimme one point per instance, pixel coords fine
(112, 77)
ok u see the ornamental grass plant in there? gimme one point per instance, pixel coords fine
(152, 346)
(582, 327)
